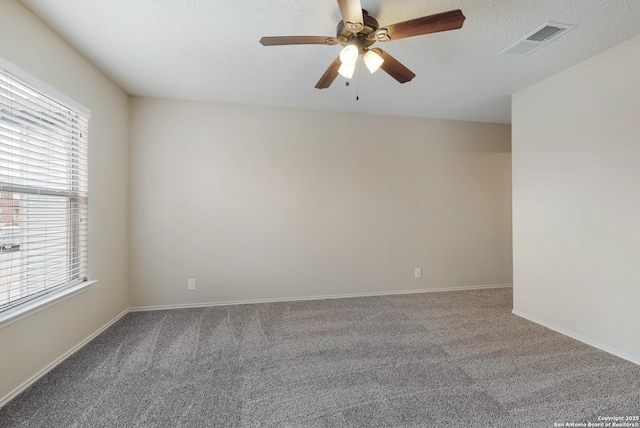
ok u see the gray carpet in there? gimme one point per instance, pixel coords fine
(454, 359)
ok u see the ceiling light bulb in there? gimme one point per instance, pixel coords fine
(346, 70)
(349, 55)
(373, 61)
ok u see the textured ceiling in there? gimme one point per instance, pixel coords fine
(209, 50)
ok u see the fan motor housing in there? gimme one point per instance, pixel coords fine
(364, 38)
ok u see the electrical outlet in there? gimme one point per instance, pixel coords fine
(191, 284)
(418, 272)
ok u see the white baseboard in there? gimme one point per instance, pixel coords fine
(577, 336)
(322, 297)
(24, 385)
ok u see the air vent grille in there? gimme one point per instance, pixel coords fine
(547, 32)
(538, 38)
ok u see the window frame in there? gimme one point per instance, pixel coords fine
(64, 291)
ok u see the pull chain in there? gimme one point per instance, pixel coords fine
(357, 76)
(357, 82)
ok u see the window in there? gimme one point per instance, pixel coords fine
(43, 194)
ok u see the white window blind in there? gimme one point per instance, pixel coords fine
(43, 193)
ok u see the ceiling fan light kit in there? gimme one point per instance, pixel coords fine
(358, 31)
(347, 70)
(349, 55)
(372, 60)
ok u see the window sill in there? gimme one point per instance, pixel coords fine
(19, 312)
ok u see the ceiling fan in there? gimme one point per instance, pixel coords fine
(358, 31)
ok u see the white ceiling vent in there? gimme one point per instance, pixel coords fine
(538, 38)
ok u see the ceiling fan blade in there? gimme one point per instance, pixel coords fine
(394, 68)
(445, 21)
(351, 11)
(298, 40)
(330, 75)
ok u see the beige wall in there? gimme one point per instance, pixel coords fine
(32, 343)
(266, 203)
(576, 200)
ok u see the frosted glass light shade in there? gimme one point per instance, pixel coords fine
(346, 70)
(349, 55)
(373, 61)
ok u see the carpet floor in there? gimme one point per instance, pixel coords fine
(451, 359)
